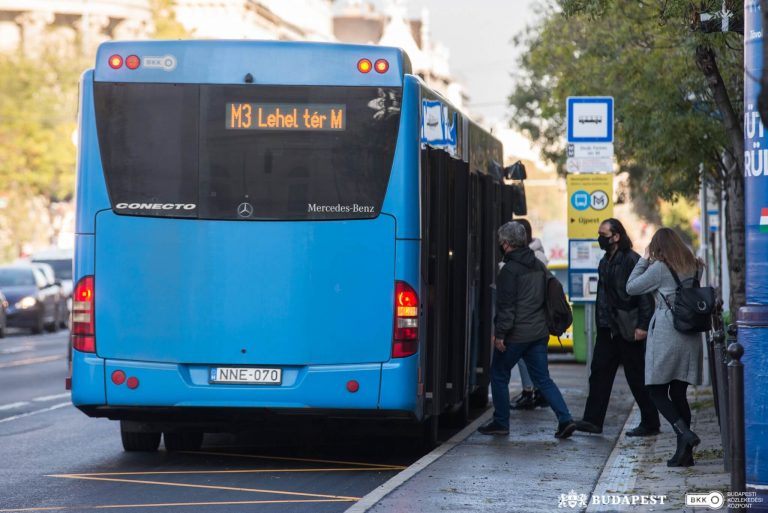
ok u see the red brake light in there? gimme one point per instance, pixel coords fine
(115, 62)
(364, 66)
(83, 316)
(381, 66)
(405, 341)
(132, 62)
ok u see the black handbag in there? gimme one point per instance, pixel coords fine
(694, 304)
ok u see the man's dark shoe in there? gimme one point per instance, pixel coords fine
(565, 429)
(588, 427)
(492, 428)
(524, 401)
(643, 431)
(538, 399)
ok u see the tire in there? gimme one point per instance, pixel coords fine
(39, 325)
(479, 398)
(183, 440)
(139, 442)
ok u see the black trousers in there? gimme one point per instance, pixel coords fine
(609, 352)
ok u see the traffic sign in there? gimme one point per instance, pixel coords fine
(589, 203)
(589, 165)
(590, 119)
(590, 150)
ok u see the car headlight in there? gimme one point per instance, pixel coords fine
(27, 302)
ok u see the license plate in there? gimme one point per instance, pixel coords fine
(247, 375)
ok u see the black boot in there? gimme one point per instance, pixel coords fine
(539, 401)
(686, 441)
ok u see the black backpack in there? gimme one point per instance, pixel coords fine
(556, 308)
(692, 312)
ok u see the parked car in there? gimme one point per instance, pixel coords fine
(565, 344)
(32, 301)
(62, 309)
(61, 262)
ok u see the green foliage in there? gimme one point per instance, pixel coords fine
(642, 54)
(680, 215)
(38, 104)
(166, 24)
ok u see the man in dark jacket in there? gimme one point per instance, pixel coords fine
(521, 331)
(622, 326)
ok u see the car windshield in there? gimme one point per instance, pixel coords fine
(16, 278)
(61, 268)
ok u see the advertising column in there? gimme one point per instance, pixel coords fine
(753, 319)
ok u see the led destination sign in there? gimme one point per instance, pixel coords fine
(286, 116)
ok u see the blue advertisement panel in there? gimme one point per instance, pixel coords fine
(753, 319)
(755, 161)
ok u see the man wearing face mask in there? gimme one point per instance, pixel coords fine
(622, 326)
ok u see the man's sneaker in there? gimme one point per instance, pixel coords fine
(565, 429)
(643, 431)
(588, 427)
(492, 428)
(524, 401)
(538, 399)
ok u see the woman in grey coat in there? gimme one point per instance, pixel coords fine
(672, 358)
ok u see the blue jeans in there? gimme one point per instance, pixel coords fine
(534, 354)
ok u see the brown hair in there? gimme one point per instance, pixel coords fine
(667, 246)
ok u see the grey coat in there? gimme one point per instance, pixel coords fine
(669, 354)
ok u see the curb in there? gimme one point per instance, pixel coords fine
(372, 498)
(619, 469)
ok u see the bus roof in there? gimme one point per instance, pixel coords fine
(229, 62)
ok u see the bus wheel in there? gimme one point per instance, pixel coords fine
(139, 442)
(429, 432)
(183, 440)
(479, 398)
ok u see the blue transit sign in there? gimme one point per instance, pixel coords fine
(590, 119)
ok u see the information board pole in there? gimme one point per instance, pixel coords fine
(589, 315)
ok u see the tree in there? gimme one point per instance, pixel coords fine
(38, 105)
(678, 98)
(166, 24)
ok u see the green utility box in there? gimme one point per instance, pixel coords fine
(579, 334)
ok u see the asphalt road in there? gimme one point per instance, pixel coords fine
(54, 458)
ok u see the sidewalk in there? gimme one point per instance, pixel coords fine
(641, 468)
(530, 471)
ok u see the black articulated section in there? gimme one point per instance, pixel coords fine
(458, 366)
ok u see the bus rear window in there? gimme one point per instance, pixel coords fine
(247, 152)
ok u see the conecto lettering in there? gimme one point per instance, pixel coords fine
(156, 206)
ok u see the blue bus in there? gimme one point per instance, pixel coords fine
(267, 229)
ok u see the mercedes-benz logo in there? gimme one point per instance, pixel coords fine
(245, 210)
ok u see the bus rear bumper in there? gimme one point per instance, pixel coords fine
(308, 389)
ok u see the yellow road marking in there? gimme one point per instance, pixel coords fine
(169, 504)
(283, 458)
(206, 487)
(244, 471)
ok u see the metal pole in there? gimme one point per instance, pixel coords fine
(589, 316)
(736, 391)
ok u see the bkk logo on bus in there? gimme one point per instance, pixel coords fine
(156, 206)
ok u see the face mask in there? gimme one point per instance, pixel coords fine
(605, 242)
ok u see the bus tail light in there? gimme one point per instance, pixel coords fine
(115, 62)
(83, 316)
(132, 62)
(405, 341)
(381, 66)
(364, 66)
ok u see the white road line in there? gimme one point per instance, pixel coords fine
(29, 414)
(50, 397)
(11, 406)
(17, 349)
(30, 361)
